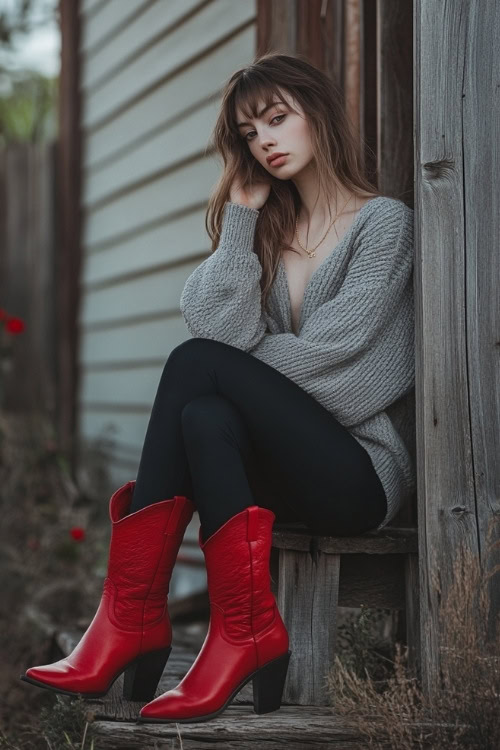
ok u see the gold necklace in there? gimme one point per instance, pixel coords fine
(311, 253)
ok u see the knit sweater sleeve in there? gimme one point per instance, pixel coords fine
(222, 298)
(355, 353)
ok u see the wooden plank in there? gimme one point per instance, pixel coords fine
(368, 92)
(69, 230)
(27, 280)
(334, 43)
(395, 106)
(352, 64)
(388, 540)
(309, 584)
(154, 201)
(238, 726)
(310, 29)
(277, 26)
(191, 86)
(457, 316)
(190, 40)
(124, 29)
(43, 274)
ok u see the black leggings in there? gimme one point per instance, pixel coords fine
(228, 431)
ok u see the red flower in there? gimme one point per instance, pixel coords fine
(77, 533)
(14, 325)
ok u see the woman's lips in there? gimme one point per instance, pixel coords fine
(279, 160)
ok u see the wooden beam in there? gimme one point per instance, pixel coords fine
(368, 88)
(457, 267)
(69, 168)
(276, 26)
(395, 99)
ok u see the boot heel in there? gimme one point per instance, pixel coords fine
(142, 677)
(268, 685)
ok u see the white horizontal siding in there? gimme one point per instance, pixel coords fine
(133, 75)
(174, 192)
(103, 147)
(87, 7)
(181, 238)
(135, 298)
(141, 21)
(103, 21)
(186, 139)
(152, 72)
(128, 344)
(110, 387)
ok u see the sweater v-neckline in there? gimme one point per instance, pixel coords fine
(332, 253)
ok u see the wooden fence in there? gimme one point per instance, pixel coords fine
(28, 269)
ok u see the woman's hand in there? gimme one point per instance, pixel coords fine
(252, 196)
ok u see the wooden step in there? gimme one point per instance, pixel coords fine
(238, 726)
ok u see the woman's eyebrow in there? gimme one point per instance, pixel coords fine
(262, 111)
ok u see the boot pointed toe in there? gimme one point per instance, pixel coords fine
(131, 630)
(163, 707)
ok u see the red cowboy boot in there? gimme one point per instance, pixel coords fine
(131, 630)
(246, 639)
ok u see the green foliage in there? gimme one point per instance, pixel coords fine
(28, 113)
(28, 99)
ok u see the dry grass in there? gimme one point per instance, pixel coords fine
(464, 710)
(49, 580)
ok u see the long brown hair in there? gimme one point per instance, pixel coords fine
(335, 145)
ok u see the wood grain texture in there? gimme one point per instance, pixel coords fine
(387, 540)
(307, 600)
(457, 268)
(313, 576)
(238, 726)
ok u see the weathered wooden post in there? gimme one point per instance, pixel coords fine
(457, 229)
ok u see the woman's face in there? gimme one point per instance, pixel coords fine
(278, 129)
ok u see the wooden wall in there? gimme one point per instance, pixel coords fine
(457, 226)
(151, 75)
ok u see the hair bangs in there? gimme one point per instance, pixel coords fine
(251, 91)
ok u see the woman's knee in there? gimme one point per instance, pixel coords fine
(192, 350)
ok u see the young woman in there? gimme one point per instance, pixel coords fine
(292, 399)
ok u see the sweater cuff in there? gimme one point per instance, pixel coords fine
(238, 229)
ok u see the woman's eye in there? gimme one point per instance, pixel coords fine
(253, 131)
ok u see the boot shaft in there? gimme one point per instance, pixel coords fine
(237, 559)
(142, 553)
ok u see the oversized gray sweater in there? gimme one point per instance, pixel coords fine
(354, 351)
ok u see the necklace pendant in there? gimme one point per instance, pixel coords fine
(312, 255)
